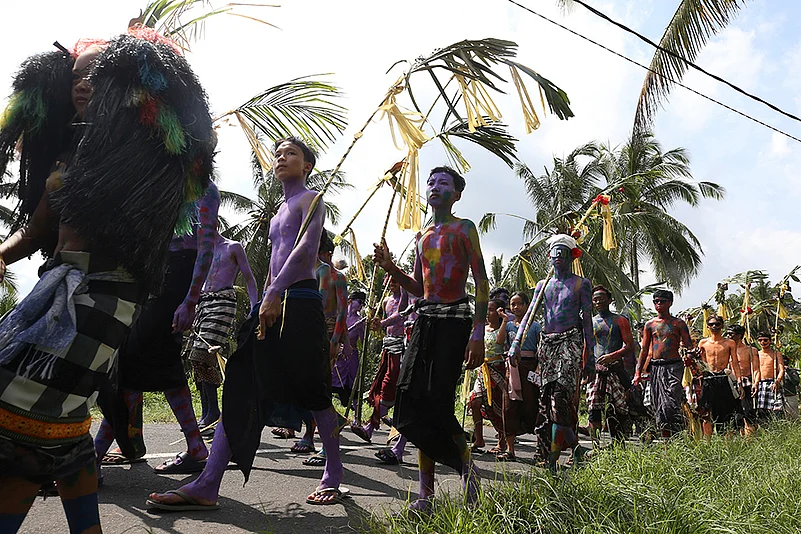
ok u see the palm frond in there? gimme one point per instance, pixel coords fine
(691, 26)
(494, 138)
(302, 106)
(235, 201)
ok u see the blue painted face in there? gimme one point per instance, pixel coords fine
(559, 255)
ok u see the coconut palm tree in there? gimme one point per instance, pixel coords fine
(647, 183)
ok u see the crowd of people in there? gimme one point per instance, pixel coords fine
(116, 151)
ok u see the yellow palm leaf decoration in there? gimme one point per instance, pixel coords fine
(530, 118)
(478, 103)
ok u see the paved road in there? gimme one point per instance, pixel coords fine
(273, 501)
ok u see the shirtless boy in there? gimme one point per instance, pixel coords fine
(748, 358)
(289, 362)
(443, 337)
(216, 312)
(717, 397)
(768, 377)
(661, 339)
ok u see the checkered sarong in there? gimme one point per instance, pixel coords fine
(767, 399)
(216, 312)
(455, 310)
(606, 387)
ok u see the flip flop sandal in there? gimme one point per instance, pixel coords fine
(283, 433)
(119, 459)
(496, 450)
(303, 447)
(339, 494)
(189, 504)
(477, 450)
(506, 457)
(315, 461)
(386, 456)
(182, 464)
(361, 432)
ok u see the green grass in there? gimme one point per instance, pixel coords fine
(726, 486)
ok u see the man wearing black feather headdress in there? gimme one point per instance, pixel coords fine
(144, 151)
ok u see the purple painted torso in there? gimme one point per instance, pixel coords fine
(224, 266)
(394, 322)
(568, 304)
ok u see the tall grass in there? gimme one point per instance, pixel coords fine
(726, 486)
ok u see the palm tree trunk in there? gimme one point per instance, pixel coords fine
(635, 266)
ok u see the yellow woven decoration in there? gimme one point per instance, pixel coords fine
(532, 122)
(466, 383)
(609, 241)
(745, 318)
(528, 272)
(707, 313)
(264, 157)
(477, 102)
(410, 209)
(485, 376)
(687, 377)
(577, 270)
(356, 258)
(723, 311)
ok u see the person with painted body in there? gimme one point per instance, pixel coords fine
(768, 376)
(564, 348)
(662, 338)
(287, 362)
(333, 287)
(748, 360)
(613, 342)
(718, 398)
(444, 336)
(382, 392)
(216, 313)
(151, 359)
(94, 277)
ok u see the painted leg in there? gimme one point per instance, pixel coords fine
(16, 498)
(78, 494)
(471, 483)
(214, 405)
(206, 488)
(103, 440)
(310, 428)
(134, 401)
(327, 422)
(400, 448)
(478, 423)
(425, 500)
(180, 401)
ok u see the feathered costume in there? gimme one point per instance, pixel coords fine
(38, 116)
(144, 156)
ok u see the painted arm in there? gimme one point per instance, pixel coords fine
(247, 274)
(341, 326)
(754, 364)
(306, 248)
(586, 319)
(382, 257)
(475, 347)
(208, 208)
(525, 324)
(780, 363)
(29, 238)
(323, 274)
(646, 348)
(396, 317)
(684, 332)
(734, 361)
(628, 344)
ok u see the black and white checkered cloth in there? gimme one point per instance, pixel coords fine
(216, 312)
(393, 344)
(455, 310)
(767, 399)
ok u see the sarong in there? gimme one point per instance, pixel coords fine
(503, 413)
(747, 400)
(386, 379)
(429, 374)
(289, 366)
(48, 387)
(767, 399)
(151, 358)
(607, 387)
(214, 318)
(719, 401)
(667, 393)
(559, 356)
(530, 406)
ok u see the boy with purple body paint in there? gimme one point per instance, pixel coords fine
(445, 335)
(288, 361)
(216, 313)
(565, 344)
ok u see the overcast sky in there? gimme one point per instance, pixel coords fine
(357, 41)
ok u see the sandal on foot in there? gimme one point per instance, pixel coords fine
(496, 450)
(326, 496)
(303, 447)
(315, 461)
(116, 457)
(506, 457)
(283, 433)
(361, 432)
(182, 464)
(189, 504)
(477, 450)
(386, 456)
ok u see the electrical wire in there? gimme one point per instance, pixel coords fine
(749, 117)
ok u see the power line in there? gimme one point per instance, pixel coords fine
(749, 117)
(687, 61)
